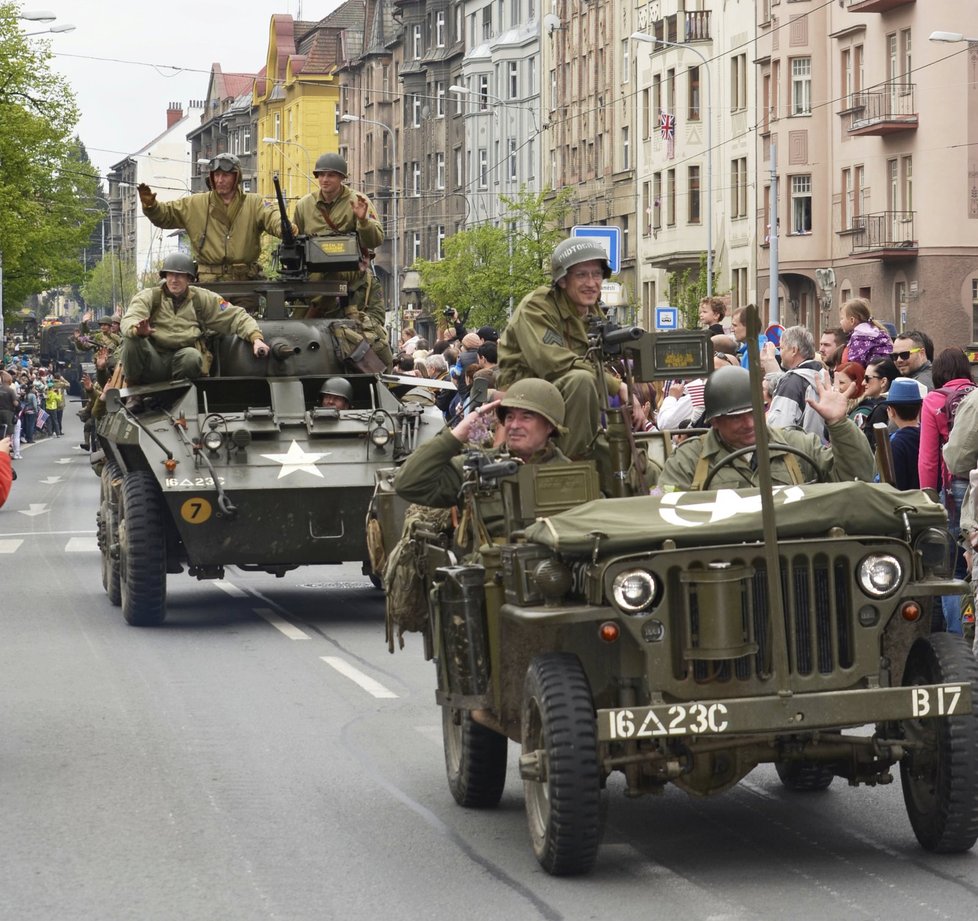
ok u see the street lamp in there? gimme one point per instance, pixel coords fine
(652, 40)
(62, 27)
(950, 37)
(395, 240)
(37, 16)
(302, 148)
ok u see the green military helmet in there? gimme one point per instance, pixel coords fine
(105, 320)
(116, 317)
(537, 396)
(574, 250)
(179, 262)
(331, 162)
(225, 162)
(727, 393)
(337, 387)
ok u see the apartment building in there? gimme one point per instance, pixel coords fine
(870, 129)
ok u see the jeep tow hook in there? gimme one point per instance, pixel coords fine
(533, 766)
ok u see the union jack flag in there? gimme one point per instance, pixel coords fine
(667, 126)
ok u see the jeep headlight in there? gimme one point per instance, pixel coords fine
(879, 574)
(936, 550)
(633, 590)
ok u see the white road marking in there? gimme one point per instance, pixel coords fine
(230, 588)
(374, 688)
(51, 480)
(10, 546)
(81, 545)
(37, 508)
(283, 626)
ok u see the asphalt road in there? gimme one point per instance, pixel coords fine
(262, 756)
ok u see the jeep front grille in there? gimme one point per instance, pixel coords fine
(818, 626)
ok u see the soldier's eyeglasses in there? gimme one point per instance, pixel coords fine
(905, 356)
(584, 274)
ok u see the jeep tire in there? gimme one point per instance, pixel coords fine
(561, 778)
(142, 550)
(475, 760)
(938, 780)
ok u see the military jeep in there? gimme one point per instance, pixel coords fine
(686, 638)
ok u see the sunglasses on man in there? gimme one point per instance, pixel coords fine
(905, 356)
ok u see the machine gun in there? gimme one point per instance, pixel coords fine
(300, 255)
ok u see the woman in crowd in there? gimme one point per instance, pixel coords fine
(880, 373)
(852, 372)
(952, 381)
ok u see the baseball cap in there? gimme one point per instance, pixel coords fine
(487, 333)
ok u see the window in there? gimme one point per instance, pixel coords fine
(514, 13)
(511, 159)
(246, 139)
(531, 76)
(801, 204)
(693, 95)
(459, 22)
(775, 90)
(531, 159)
(415, 245)
(656, 106)
(415, 110)
(484, 92)
(801, 86)
(513, 84)
(440, 98)
(846, 200)
(738, 82)
(693, 186)
(439, 170)
(906, 170)
(415, 178)
(671, 91)
(440, 29)
(857, 195)
(670, 198)
(740, 293)
(459, 178)
(416, 42)
(646, 214)
(656, 201)
(625, 149)
(845, 77)
(440, 242)
(483, 168)
(738, 187)
(487, 22)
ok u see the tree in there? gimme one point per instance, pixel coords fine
(46, 181)
(110, 285)
(486, 269)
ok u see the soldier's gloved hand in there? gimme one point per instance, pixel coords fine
(147, 197)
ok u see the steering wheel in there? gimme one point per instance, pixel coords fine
(774, 445)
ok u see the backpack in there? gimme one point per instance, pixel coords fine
(952, 400)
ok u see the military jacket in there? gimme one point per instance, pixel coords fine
(546, 337)
(182, 326)
(848, 458)
(220, 234)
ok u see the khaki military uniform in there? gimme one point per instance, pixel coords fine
(226, 239)
(547, 337)
(176, 349)
(848, 458)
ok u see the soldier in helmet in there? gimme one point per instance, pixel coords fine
(164, 328)
(338, 209)
(727, 404)
(224, 225)
(532, 417)
(547, 337)
(336, 393)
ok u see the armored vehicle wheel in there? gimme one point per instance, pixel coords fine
(475, 760)
(740, 452)
(142, 551)
(804, 776)
(108, 535)
(559, 765)
(938, 779)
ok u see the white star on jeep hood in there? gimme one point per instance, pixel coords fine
(296, 459)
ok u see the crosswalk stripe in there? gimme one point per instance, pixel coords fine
(81, 545)
(9, 546)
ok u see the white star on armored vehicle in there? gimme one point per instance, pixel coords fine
(297, 459)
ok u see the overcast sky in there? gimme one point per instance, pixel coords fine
(128, 59)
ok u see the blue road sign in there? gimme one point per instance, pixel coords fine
(609, 237)
(666, 318)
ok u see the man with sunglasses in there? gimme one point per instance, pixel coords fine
(910, 356)
(224, 224)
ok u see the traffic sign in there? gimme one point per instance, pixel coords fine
(608, 236)
(666, 318)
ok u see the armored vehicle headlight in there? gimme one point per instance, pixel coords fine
(633, 590)
(880, 574)
(213, 440)
(380, 436)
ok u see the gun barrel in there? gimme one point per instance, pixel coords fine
(288, 238)
(625, 334)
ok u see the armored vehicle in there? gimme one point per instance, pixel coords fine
(244, 467)
(686, 638)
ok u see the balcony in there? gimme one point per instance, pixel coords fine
(681, 28)
(886, 235)
(881, 110)
(875, 6)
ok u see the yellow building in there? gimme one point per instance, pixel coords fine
(296, 97)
